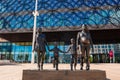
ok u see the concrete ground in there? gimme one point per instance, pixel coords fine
(14, 71)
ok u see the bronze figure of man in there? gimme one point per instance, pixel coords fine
(40, 48)
(85, 41)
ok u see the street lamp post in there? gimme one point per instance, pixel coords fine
(35, 13)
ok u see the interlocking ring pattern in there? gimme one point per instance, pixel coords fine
(55, 14)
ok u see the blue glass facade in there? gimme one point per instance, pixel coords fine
(13, 51)
(22, 51)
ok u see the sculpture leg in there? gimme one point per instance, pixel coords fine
(71, 65)
(72, 61)
(75, 61)
(82, 62)
(54, 63)
(87, 58)
(82, 57)
(57, 61)
(38, 60)
(42, 57)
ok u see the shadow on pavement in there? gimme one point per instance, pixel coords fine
(3, 64)
(7, 62)
(108, 79)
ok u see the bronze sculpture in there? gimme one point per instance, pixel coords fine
(40, 47)
(85, 41)
(56, 51)
(72, 48)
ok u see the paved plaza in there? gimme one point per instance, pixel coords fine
(14, 71)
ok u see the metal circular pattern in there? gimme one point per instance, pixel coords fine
(16, 15)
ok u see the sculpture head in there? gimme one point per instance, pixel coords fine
(84, 27)
(72, 40)
(39, 30)
(55, 44)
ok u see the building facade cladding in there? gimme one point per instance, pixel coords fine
(59, 14)
(16, 16)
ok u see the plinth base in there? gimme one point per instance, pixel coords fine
(64, 75)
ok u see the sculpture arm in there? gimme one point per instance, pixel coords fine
(61, 51)
(47, 44)
(68, 49)
(78, 39)
(35, 42)
(79, 44)
(51, 49)
(91, 43)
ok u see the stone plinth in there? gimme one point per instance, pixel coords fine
(64, 75)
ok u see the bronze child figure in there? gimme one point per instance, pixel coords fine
(56, 51)
(72, 48)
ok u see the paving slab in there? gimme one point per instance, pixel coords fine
(14, 71)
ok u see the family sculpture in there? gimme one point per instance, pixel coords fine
(83, 43)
